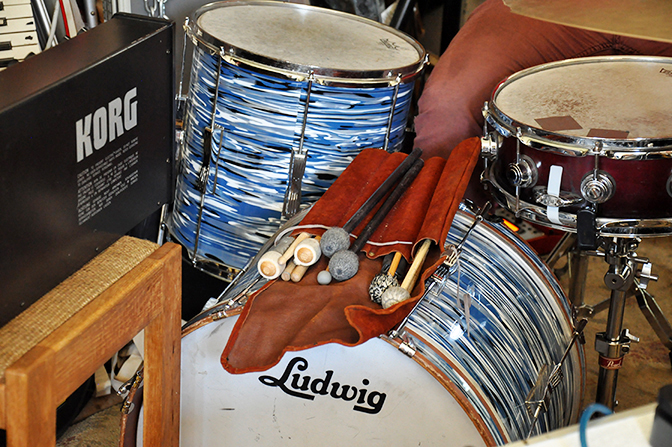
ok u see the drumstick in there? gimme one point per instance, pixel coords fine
(395, 295)
(336, 238)
(345, 263)
(286, 274)
(298, 272)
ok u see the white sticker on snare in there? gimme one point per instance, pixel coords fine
(554, 179)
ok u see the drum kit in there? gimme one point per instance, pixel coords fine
(269, 126)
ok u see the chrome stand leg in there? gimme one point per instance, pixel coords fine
(654, 315)
(564, 245)
(614, 343)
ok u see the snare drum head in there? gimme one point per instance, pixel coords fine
(301, 38)
(623, 103)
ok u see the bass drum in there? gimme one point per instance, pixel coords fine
(465, 384)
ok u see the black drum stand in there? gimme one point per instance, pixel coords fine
(626, 272)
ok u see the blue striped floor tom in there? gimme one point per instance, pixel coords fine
(282, 97)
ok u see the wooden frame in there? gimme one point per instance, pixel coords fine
(148, 297)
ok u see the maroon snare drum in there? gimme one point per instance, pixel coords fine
(585, 133)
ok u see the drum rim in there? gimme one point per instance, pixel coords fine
(620, 149)
(455, 389)
(325, 76)
(605, 226)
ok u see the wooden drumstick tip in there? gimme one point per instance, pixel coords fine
(286, 275)
(394, 265)
(289, 253)
(414, 271)
(298, 272)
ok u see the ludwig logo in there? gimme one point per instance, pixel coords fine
(295, 384)
(96, 129)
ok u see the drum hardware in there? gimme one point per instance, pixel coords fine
(490, 141)
(395, 84)
(652, 312)
(542, 197)
(598, 186)
(613, 343)
(204, 172)
(539, 396)
(447, 267)
(522, 173)
(297, 163)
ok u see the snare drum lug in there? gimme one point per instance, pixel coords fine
(523, 173)
(490, 144)
(598, 187)
(179, 118)
(395, 82)
(669, 185)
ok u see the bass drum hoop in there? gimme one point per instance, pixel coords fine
(299, 72)
(131, 418)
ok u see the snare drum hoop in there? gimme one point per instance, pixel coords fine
(579, 146)
(606, 227)
(299, 72)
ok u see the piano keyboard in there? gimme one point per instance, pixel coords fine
(18, 35)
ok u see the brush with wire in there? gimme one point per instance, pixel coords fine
(387, 277)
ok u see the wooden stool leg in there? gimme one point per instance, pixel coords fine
(162, 362)
(31, 407)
